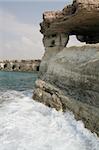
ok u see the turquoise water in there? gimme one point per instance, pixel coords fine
(18, 81)
(28, 125)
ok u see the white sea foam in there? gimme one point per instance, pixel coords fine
(28, 125)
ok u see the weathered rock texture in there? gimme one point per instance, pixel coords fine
(80, 19)
(69, 77)
(22, 65)
(71, 81)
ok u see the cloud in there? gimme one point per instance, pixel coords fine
(19, 40)
(22, 41)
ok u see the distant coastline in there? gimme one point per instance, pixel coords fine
(20, 65)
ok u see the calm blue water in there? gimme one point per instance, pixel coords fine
(29, 125)
(18, 81)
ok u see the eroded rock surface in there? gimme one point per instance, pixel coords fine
(53, 97)
(71, 81)
(80, 19)
(22, 65)
(69, 77)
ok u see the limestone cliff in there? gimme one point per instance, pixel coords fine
(20, 65)
(69, 77)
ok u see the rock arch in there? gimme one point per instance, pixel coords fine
(37, 68)
(80, 19)
(13, 67)
(5, 66)
(69, 77)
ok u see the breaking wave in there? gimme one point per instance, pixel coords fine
(29, 125)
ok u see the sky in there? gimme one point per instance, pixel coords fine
(19, 27)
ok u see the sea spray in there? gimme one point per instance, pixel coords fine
(29, 125)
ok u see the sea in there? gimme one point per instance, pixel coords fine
(29, 125)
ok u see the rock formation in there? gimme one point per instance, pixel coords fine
(22, 65)
(69, 77)
(80, 19)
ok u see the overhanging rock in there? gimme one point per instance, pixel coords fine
(69, 77)
(80, 19)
